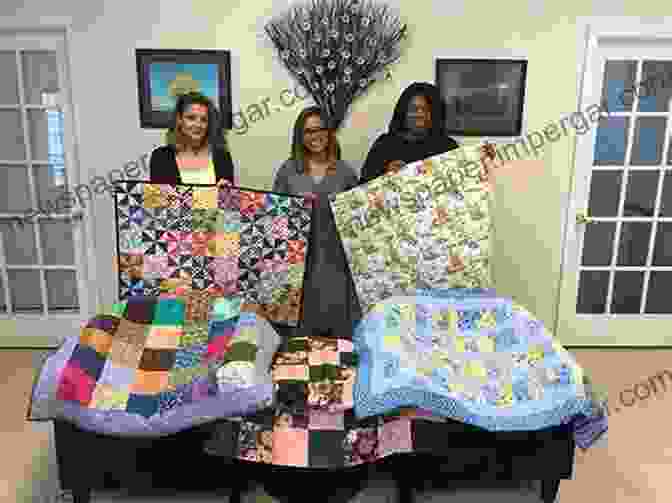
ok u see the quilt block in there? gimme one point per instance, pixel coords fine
(141, 369)
(219, 241)
(427, 226)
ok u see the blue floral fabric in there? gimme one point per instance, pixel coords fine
(471, 356)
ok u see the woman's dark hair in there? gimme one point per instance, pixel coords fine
(215, 134)
(433, 96)
(298, 152)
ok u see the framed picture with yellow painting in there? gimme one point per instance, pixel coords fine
(164, 74)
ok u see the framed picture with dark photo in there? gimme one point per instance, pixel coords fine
(483, 97)
(164, 74)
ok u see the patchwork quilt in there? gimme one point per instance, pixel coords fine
(427, 226)
(477, 358)
(154, 366)
(313, 423)
(221, 241)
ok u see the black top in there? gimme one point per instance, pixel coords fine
(393, 145)
(163, 165)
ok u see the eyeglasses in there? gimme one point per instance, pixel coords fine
(311, 132)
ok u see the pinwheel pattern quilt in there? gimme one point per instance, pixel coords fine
(220, 241)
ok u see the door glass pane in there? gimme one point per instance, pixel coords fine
(598, 241)
(9, 91)
(16, 200)
(46, 138)
(658, 294)
(656, 88)
(641, 193)
(19, 243)
(627, 295)
(592, 296)
(619, 76)
(61, 291)
(634, 243)
(40, 73)
(666, 197)
(25, 292)
(605, 193)
(12, 146)
(610, 142)
(662, 247)
(39, 135)
(48, 191)
(56, 236)
(647, 149)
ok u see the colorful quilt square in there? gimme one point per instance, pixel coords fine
(204, 198)
(157, 359)
(132, 333)
(197, 305)
(225, 244)
(290, 447)
(222, 328)
(149, 382)
(161, 337)
(225, 308)
(131, 265)
(140, 309)
(195, 333)
(219, 346)
(199, 243)
(89, 360)
(75, 385)
(395, 437)
(325, 448)
(155, 267)
(322, 419)
(143, 405)
(116, 376)
(169, 312)
(106, 322)
(190, 356)
(125, 354)
(99, 340)
(107, 397)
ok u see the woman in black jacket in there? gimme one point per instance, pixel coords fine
(416, 132)
(199, 155)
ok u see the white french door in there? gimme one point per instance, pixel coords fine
(616, 288)
(43, 281)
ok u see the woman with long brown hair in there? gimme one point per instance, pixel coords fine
(199, 154)
(315, 168)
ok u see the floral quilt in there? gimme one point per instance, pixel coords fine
(144, 369)
(221, 241)
(477, 358)
(427, 226)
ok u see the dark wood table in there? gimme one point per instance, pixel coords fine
(89, 461)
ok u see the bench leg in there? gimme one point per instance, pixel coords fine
(81, 495)
(404, 491)
(549, 490)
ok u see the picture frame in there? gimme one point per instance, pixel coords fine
(163, 73)
(483, 97)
